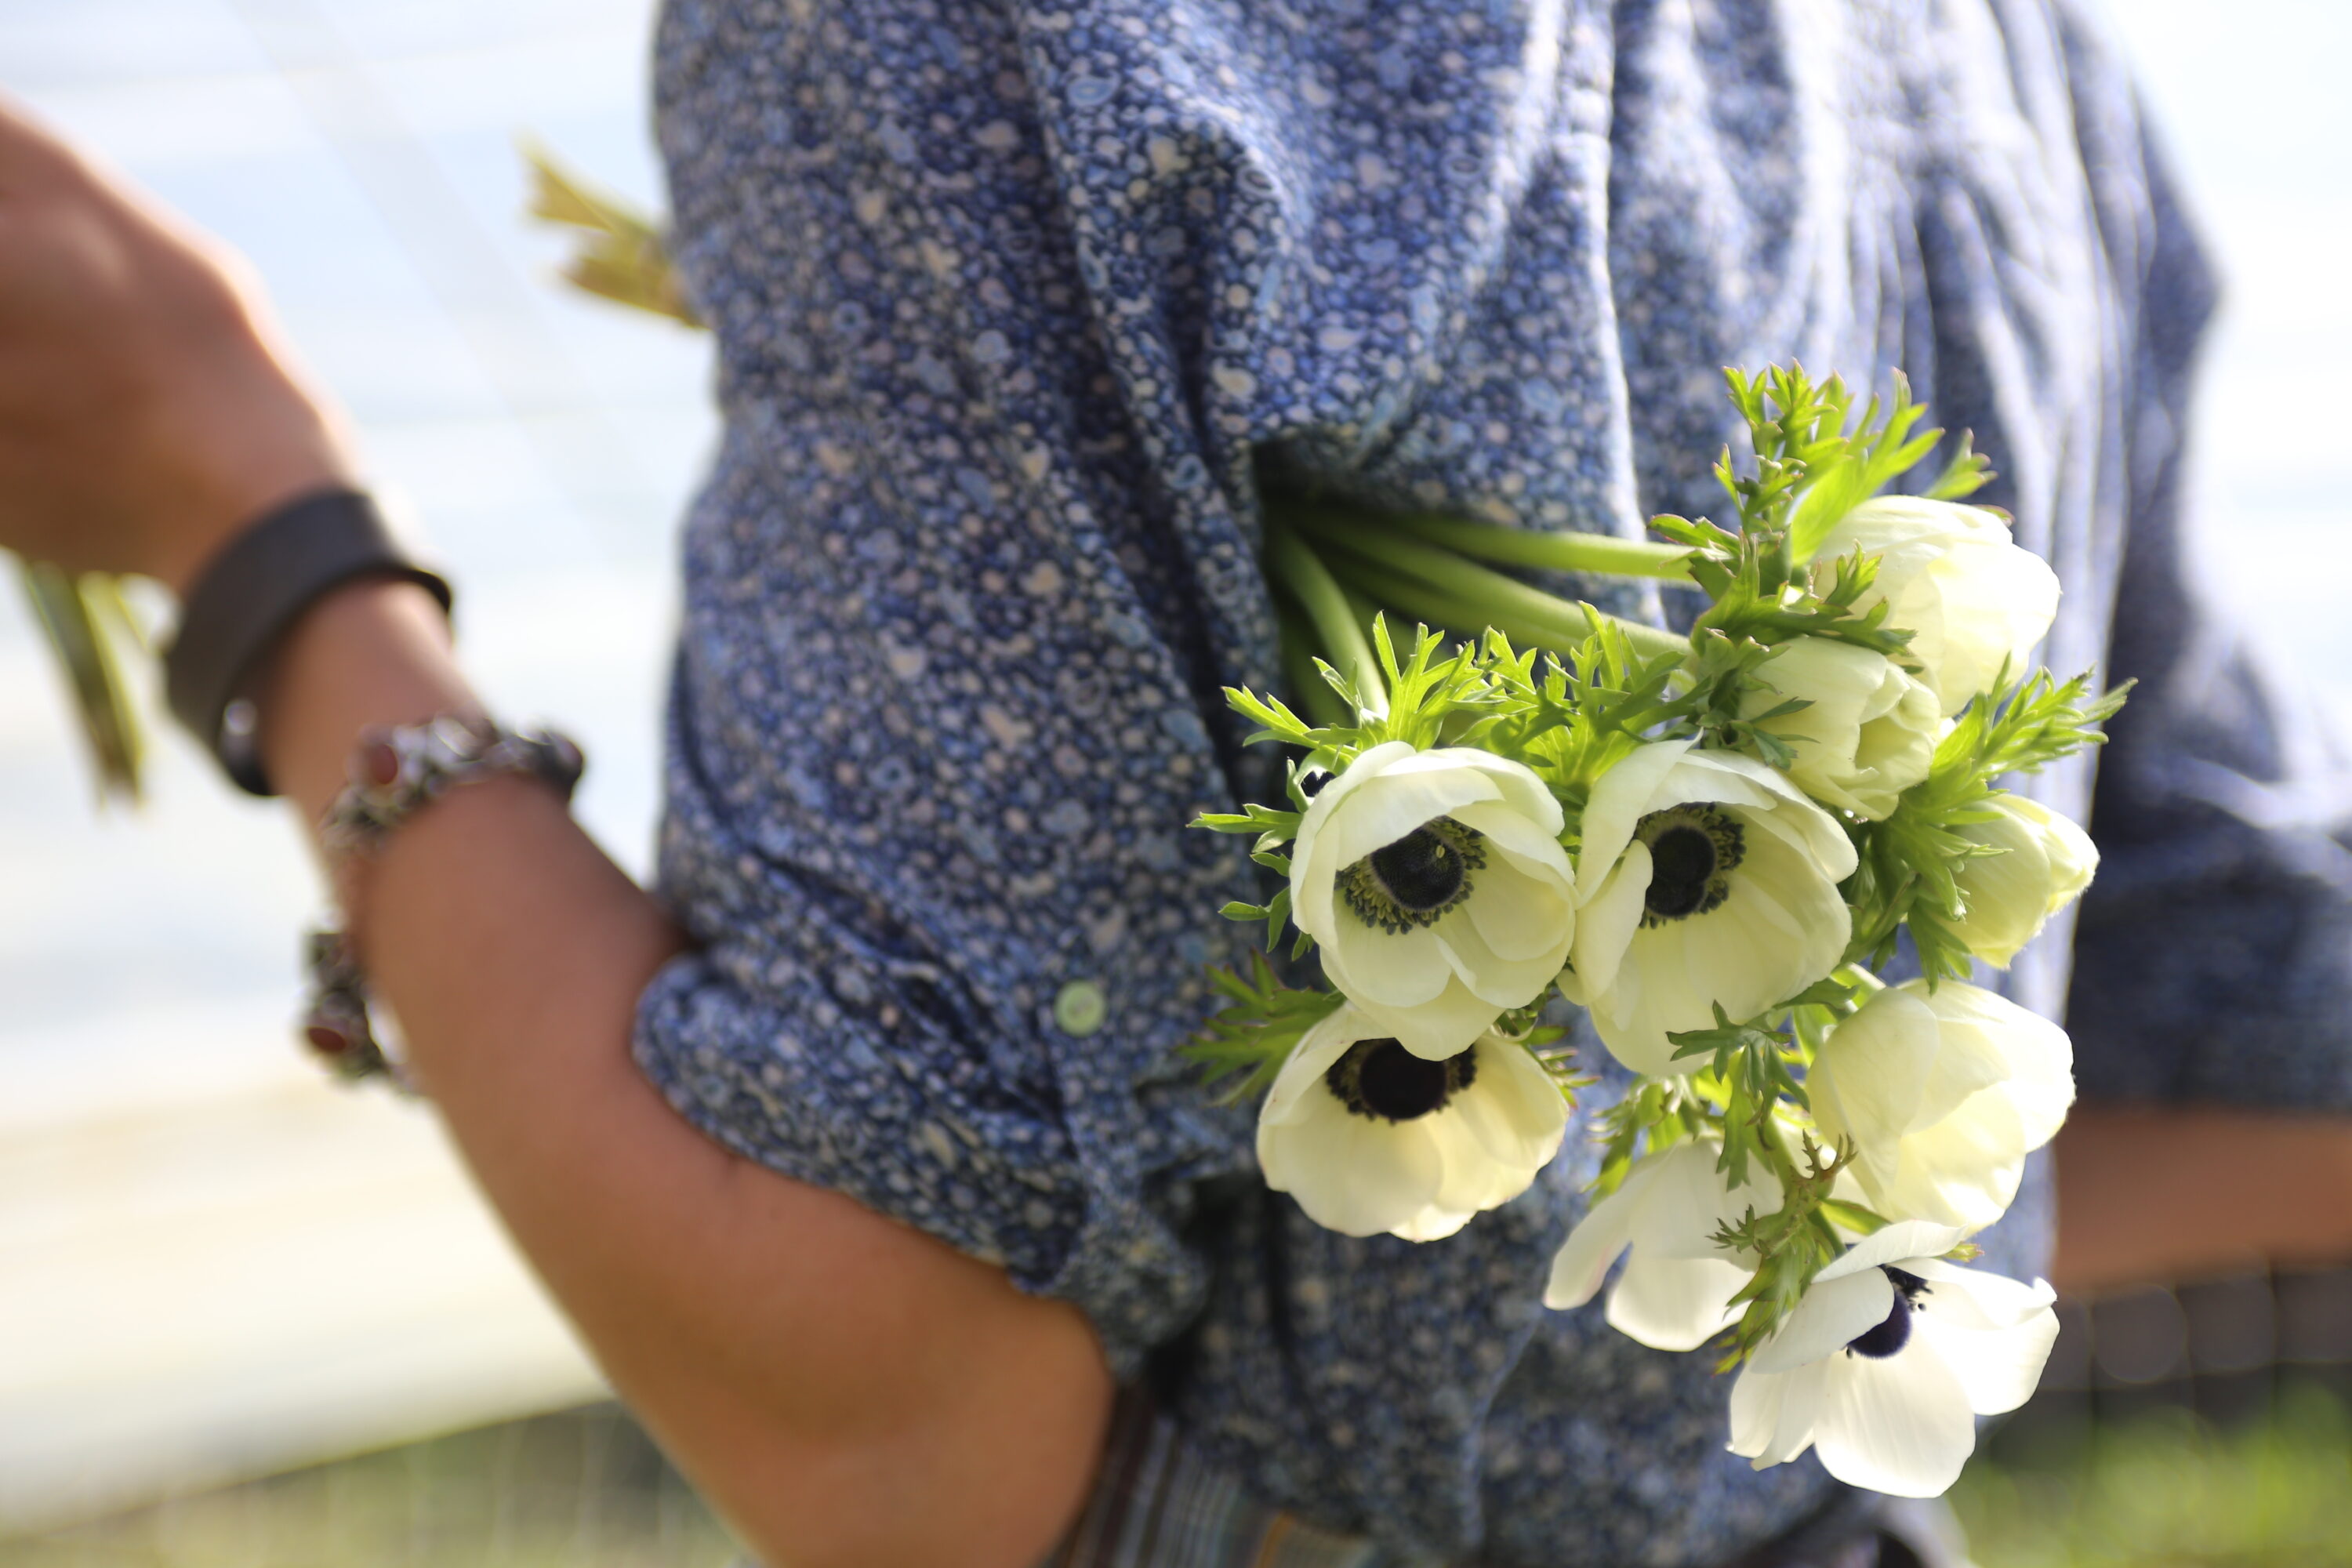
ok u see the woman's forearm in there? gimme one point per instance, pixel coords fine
(848, 1390)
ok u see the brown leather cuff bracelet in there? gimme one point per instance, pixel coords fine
(251, 595)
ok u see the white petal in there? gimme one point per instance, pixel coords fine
(1475, 1179)
(1898, 1244)
(1772, 1413)
(1440, 1027)
(1513, 1106)
(1520, 917)
(1868, 1079)
(1899, 1424)
(1435, 1223)
(1607, 922)
(1963, 1170)
(1584, 1259)
(2037, 1060)
(1356, 1174)
(1505, 982)
(1313, 868)
(1396, 968)
(1522, 792)
(1620, 799)
(1793, 815)
(1399, 801)
(1833, 1314)
(1971, 1298)
(1997, 1368)
(1688, 1203)
(1309, 1060)
(1519, 835)
(1673, 1303)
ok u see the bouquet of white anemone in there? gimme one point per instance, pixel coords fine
(1707, 841)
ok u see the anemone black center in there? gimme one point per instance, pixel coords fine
(1682, 863)
(1381, 1080)
(1415, 881)
(1894, 1332)
(1421, 871)
(1692, 851)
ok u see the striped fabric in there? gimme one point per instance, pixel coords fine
(1157, 1504)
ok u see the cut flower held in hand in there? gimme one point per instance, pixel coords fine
(2045, 863)
(1674, 1292)
(1709, 882)
(1942, 1094)
(1974, 602)
(1866, 732)
(1884, 1365)
(1434, 884)
(1370, 1137)
(1707, 841)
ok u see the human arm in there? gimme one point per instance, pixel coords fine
(847, 1390)
(2152, 1195)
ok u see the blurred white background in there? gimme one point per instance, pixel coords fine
(211, 1263)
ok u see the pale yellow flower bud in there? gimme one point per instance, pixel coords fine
(1868, 730)
(1951, 577)
(2045, 862)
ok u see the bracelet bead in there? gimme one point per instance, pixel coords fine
(394, 772)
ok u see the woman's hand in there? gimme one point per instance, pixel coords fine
(147, 409)
(849, 1390)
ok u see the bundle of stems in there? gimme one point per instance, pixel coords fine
(84, 619)
(1334, 568)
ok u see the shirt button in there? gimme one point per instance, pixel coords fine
(1079, 1007)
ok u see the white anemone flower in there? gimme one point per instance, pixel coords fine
(1951, 577)
(1674, 1291)
(1867, 732)
(1369, 1137)
(2045, 862)
(1884, 1365)
(1943, 1094)
(1707, 880)
(1435, 886)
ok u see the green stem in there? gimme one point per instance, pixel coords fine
(1600, 555)
(69, 611)
(1314, 694)
(1408, 596)
(1301, 570)
(1493, 597)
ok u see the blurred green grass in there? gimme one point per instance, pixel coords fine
(2162, 1488)
(582, 1488)
(2165, 1488)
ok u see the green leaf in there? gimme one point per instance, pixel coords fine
(1242, 1047)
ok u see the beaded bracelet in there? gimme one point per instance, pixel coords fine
(396, 771)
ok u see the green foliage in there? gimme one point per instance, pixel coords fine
(2168, 1491)
(1569, 693)
(1792, 1245)
(86, 622)
(1748, 1074)
(1244, 1046)
(1815, 461)
(1907, 864)
(1578, 719)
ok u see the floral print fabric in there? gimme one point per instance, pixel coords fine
(1017, 301)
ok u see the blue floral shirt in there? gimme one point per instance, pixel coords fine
(1017, 301)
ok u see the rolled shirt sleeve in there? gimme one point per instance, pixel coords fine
(1015, 303)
